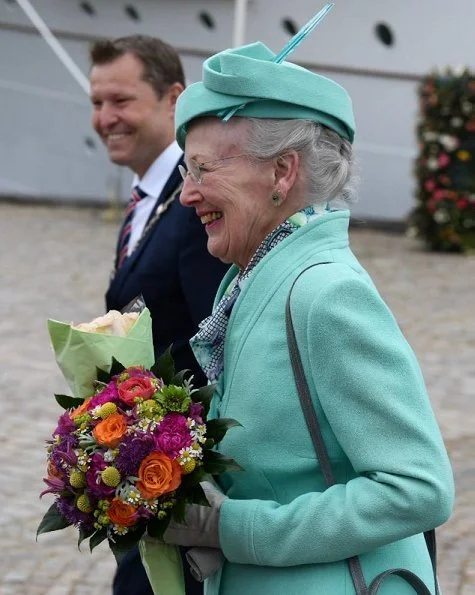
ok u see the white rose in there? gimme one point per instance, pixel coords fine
(112, 323)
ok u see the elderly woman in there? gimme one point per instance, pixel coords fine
(268, 184)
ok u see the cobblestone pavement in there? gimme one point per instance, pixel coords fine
(55, 262)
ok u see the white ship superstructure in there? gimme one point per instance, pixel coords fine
(378, 49)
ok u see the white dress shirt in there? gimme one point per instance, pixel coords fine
(152, 183)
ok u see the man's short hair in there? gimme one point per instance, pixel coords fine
(162, 65)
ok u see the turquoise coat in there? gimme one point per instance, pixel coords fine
(282, 532)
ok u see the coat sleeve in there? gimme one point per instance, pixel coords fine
(200, 273)
(371, 390)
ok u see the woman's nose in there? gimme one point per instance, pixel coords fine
(190, 195)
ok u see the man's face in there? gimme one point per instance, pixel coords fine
(132, 122)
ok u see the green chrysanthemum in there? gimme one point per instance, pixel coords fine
(82, 420)
(174, 398)
(150, 409)
(111, 477)
(77, 479)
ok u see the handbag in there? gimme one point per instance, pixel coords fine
(313, 425)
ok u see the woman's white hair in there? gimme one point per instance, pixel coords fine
(327, 158)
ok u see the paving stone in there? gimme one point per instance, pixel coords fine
(58, 265)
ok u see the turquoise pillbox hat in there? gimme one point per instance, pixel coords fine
(247, 78)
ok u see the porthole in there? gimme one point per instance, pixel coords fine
(384, 34)
(88, 8)
(290, 26)
(132, 12)
(206, 20)
(90, 143)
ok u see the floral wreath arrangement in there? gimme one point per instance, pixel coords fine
(445, 168)
(130, 450)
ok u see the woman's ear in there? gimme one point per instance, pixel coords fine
(286, 170)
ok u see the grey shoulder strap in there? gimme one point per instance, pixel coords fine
(322, 455)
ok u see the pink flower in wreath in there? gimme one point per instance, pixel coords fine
(443, 160)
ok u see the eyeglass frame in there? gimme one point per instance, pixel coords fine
(184, 171)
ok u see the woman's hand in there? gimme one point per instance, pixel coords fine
(201, 528)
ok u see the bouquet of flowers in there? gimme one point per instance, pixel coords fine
(129, 453)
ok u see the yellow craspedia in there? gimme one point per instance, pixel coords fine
(83, 503)
(111, 477)
(77, 479)
(107, 409)
(188, 467)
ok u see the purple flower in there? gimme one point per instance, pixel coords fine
(65, 425)
(109, 394)
(68, 509)
(63, 453)
(196, 412)
(55, 485)
(93, 478)
(132, 450)
(173, 434)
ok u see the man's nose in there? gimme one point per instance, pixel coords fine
(107, 116)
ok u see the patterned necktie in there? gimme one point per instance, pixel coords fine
(136, 197)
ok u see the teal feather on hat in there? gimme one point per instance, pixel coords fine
(249, 81)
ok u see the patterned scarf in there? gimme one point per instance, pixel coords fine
(208, 343)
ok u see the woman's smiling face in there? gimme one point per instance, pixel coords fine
(233, 199)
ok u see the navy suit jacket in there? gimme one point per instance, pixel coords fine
(178, 278)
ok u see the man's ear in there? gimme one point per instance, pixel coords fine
(286, 169)
(173, 92)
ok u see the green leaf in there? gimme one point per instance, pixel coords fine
(124, 543)
(52, 521)
(67, 402)
(196, 495)
(97, 538)
(164, 367)
(84, 534)
(217, 428)
(156, 527)
(204, 396)
(179, 379)
(116, 367)
(179, 510)
(215, 463)
(102, 375)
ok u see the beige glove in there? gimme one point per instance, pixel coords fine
(204, 561)
(201, 528)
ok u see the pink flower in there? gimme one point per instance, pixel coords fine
(443, 160)
(109, 394)
(196, 412)
(429, 185)
(173, 435)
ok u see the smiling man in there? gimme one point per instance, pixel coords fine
(161, 250)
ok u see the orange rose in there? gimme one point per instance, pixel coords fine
(110, 431)
(81, 409)
(121, 513)
(158, 475)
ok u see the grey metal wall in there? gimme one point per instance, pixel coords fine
(47, 148)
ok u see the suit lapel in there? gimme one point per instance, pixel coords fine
(173, 182)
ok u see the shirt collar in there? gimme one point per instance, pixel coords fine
(158, 173)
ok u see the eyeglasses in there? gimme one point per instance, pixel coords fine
(196, 169)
